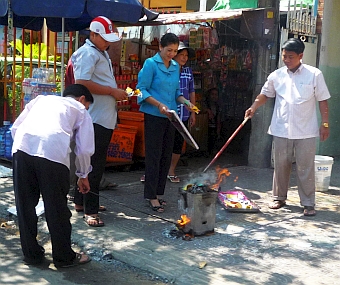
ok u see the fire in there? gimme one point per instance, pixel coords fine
(221, 174)
(184, 220)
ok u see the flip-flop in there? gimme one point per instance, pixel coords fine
(277, 204)
(174, 178)
(99, 222)
(76, 261)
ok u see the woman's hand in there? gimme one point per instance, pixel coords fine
(191, 107)
(163, 109)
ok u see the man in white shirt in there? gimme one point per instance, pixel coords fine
(294, 126)
(92, 67)
(41, 148)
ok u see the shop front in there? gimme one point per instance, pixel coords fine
(224, 62)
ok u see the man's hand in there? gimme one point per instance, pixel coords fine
(119, 94)
(324, 133)
(84, 185)
(249, 113)
(260, 100)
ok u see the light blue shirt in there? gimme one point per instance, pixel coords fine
(160, 82)
(89, 63)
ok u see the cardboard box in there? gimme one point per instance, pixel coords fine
(135, 119)
(122, 144)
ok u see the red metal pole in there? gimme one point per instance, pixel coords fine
(227, 143)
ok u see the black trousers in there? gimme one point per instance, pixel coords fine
(159, 140)
(33, 176)
(90, 201)
(179, 140)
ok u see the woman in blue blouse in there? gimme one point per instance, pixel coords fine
(158, 81)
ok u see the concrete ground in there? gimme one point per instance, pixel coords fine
(269, 247)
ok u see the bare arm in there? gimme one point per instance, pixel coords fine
(192, 119)
(99, 89)
(260, 100)
(161, 107)
(324, 132)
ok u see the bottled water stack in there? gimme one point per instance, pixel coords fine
(3, 130)
(8, 143)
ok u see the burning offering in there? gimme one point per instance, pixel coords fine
(198, 202)
(237, 201)
(183, 221)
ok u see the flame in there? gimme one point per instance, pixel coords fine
(184, 220)
(221, 174)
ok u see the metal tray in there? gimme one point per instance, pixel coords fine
(237, 196)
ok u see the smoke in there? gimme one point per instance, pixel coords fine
(207, 178)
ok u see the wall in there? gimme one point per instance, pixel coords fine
(330, 66)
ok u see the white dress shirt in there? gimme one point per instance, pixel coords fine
(48, 124)
(294, 115)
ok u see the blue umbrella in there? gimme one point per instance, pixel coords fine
(77, 14)
(72, 15)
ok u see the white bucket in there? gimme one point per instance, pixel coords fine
(323, 170)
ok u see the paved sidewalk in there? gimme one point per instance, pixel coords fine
(271, 247)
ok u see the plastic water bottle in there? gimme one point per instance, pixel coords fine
(3, 131)
(27, 89)
(8, 143)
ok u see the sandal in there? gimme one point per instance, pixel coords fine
(159, 209)
(80, 259)
(93, 221)
(162, 202)
(70, 197)
(100, 209)
(309, 211)
(142, 179)
(174, 178)
(277, 204)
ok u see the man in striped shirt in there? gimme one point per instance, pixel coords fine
(296, 88)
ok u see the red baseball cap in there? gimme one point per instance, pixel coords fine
(104, 27)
